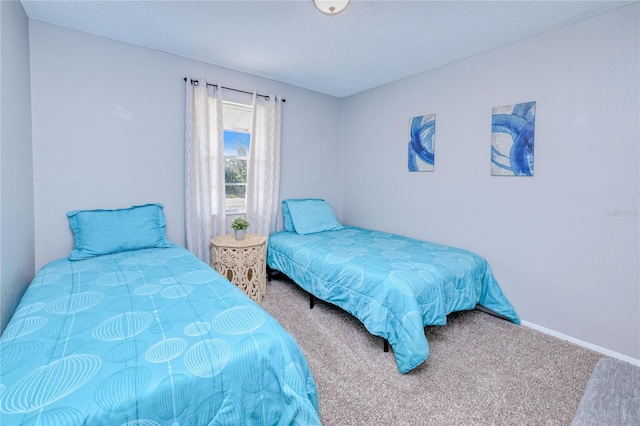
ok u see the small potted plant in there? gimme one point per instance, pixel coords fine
(239, 225)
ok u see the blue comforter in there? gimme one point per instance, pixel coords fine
(149, 337)
(394, 285)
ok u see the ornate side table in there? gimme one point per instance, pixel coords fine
(243, 262)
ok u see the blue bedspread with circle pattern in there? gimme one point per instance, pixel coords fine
(394, 285)
(148, 337)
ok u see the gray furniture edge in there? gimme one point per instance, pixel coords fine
(612, 396)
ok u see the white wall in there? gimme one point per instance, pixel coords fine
(564, 244)
(16, 170)
(108, 131)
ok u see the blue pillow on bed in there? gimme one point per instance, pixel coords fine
(288, 223)
(98, 232)
(286, 216)
(310, 215)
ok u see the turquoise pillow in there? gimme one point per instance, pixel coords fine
(99, 232)
(288, 223)
(286, 216)
(312, 215)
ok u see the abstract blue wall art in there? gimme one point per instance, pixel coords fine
(512, 136)
(422, 143)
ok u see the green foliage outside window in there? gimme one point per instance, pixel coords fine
(235, 172)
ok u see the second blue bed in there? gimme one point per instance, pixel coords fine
(394, 285)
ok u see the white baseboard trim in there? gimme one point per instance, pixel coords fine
(582, 343)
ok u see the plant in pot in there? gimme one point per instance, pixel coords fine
(239, 226)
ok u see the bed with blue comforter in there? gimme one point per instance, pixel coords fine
(394, 285)
(148, 337)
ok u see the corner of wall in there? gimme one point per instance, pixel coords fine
(17, 265)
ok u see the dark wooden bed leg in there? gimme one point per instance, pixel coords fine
(311, 301)
(386, 345)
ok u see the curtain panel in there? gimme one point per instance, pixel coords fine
(263, 168)
(205, 215)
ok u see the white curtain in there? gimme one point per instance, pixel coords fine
(204, 168)
(263, 169)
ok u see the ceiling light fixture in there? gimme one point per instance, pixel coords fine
(331, 7)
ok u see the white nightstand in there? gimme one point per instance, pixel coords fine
(243, 262)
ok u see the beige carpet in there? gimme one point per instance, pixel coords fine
(482, 370)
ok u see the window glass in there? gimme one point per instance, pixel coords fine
(237, 140)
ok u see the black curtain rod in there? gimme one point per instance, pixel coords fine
(235, 90)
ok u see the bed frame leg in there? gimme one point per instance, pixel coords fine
(386, 345)
(311, 301)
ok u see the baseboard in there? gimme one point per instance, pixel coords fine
(582, 343)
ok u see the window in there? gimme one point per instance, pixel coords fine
(237, 139)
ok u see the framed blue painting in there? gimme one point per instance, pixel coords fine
(422, 143)
(512, 139)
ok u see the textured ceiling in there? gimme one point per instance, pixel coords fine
(370, 44)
